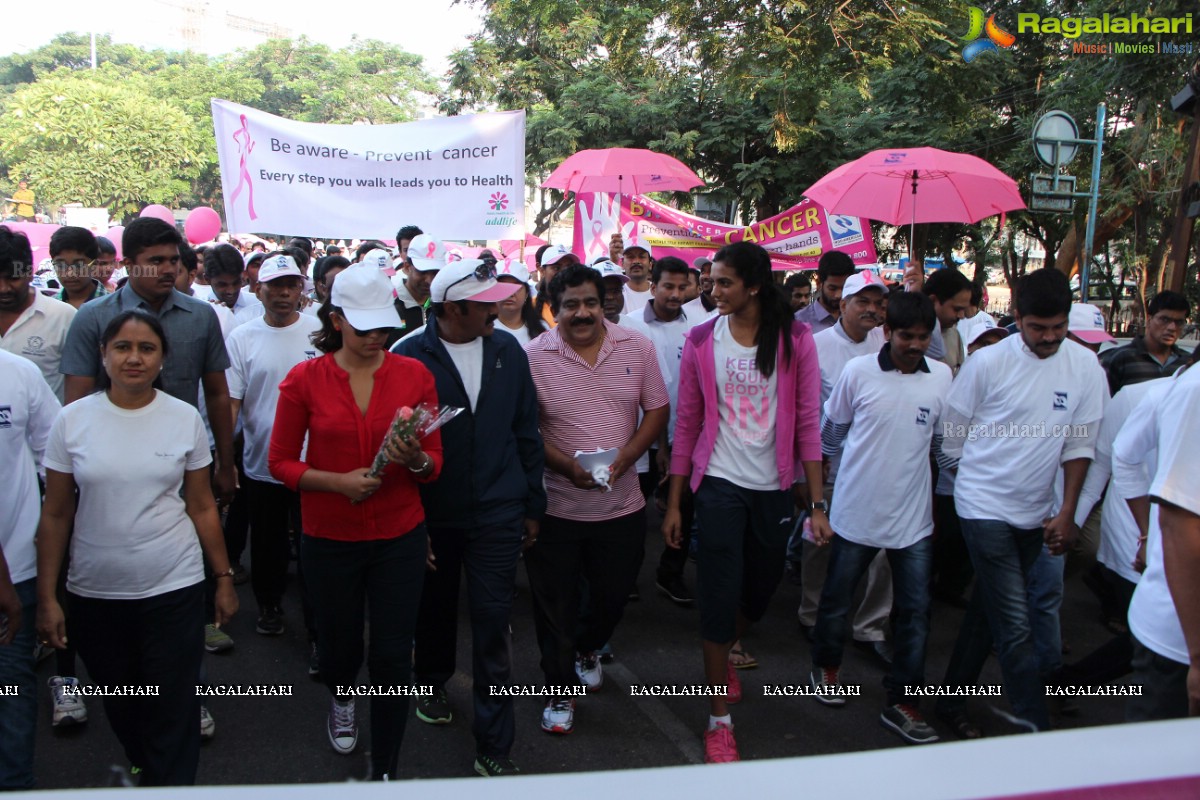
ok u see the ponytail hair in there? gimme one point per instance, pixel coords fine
(753, 266)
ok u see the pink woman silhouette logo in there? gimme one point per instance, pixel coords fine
(498, 201)
(245, 147)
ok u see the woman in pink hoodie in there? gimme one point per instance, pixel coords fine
(748, 416)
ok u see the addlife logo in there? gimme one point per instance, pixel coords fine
(498, 214)
(996, 36)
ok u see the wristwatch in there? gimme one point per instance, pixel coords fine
(820, 504)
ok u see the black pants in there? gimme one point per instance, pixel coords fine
(607, 555)
(1113, 659)
(952, 569)
(270, 505)
(489, 556)
(672, 561)
(156, 641)
(377, 582)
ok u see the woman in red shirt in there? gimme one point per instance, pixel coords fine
(364, 541)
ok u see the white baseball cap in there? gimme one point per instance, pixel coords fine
(469, 279)
(982, 330)
(380, 259)
(513, 268)
(609, 269)
(426, 253)
(554, 254)
(255, 255)
(1087, 322)
(860, 280)
(637, 245)
(364, 294)
(279, 266)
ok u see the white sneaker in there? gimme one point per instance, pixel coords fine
(559, 715)
(342, 727)
(67, 709)
(208, 725)
(591, 674)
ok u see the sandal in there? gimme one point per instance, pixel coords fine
(962, 725)
(740, 659)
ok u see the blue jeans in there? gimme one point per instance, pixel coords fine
(1045, 595)
(1003, 557)
(18, 715)
(911, 570)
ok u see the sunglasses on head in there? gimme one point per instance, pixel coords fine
(483, 272)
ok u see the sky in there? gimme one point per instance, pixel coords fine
(430, 28)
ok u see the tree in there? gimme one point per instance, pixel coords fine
(102, 145)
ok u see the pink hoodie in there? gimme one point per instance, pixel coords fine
(797, 420)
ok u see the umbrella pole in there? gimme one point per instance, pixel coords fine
(912, 225)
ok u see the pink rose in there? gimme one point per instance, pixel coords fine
(406, 413)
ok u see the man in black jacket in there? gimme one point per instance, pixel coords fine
(487, 504)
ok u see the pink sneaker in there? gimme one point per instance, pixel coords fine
(719, 746)
(733, 685)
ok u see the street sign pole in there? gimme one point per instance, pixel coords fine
(1093, 205)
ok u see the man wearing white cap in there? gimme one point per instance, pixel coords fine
(487, 504)
(615, 282)
(856, 332)
(427, 256)
(553, 258)
(638, 260)
(261, 353)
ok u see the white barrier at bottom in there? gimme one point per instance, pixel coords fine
(1156, 759)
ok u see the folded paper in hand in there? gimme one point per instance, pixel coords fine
(597, 463)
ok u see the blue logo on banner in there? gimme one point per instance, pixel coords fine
(844, 230)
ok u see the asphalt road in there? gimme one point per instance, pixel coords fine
(263, 740)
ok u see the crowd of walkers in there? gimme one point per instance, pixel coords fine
(158, 418)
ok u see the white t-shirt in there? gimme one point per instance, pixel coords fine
(202, 291)
(226, 320)
(39, 335)
(668, 338)
(1015, 418)
(27, 412)
(468, 360)
(635, 301)
(1118, 529)
(243, 314)
(521, 333)
(835, 349)
(133, 538)
(260, 357)
(1153, 618)
(883, 493)
(745, 449)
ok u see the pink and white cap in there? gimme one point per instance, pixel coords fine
(426, 253)
(513, 268)
(1087, 322)
(460, 280)
(863, 279)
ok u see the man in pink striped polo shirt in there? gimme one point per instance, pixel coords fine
(592, 378)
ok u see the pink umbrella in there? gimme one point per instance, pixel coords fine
(921, 184)
(616, 169)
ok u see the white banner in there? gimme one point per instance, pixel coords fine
(455, 177)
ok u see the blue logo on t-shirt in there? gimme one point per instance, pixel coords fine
(5, 416)
(922, 415)
(1060, 401)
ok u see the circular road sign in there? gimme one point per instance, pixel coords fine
(1055, 127)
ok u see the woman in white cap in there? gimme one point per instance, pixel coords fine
(364, 545)
(517, 314)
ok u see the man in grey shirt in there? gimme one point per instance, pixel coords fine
(832, 271)
(195, 348)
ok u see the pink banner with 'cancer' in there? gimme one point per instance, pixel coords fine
(796, 239)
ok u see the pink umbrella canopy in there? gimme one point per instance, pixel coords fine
(921, 184)
(621, 170)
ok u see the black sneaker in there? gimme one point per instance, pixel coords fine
(314, 664)
(674, 588)
(908, 724)
(435, 708)
(495, 766)
(270, 621)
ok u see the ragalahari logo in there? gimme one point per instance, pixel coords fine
(995, 35)
(498, 201)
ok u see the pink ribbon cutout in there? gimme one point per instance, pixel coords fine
(597, 241)
(245, 148)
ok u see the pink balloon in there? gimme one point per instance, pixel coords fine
(158, 212)
(202, 225)
(114, 235)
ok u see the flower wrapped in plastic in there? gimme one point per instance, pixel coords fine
(411, 423)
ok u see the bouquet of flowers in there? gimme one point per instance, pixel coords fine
(412, 423)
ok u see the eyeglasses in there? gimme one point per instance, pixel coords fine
(1169, 322)
(483, 272)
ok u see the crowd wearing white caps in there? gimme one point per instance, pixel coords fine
(931, 482)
